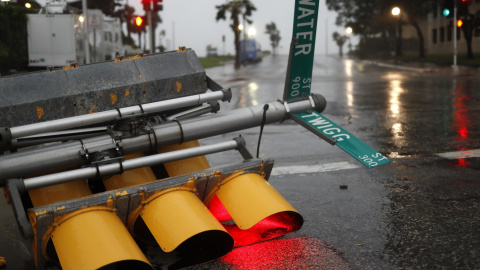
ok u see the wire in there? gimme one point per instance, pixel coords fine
(265, 109)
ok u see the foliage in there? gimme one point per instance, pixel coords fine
(340, 40)
(373, 19)
(214, 61)
(274, 33)
(13, 38)
(236, 8)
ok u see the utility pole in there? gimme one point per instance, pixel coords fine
(455, 67)
(152, 31)
(85, 32)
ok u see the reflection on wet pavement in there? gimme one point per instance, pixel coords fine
(291, 253)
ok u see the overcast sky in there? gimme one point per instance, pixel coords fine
(191, 23)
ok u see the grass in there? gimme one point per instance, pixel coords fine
(214, 61)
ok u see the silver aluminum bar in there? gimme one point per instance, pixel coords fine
(111, 115)
(67, 155)
(116, 168)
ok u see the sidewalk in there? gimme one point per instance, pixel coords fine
(423, 67)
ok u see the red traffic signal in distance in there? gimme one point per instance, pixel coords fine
(459, 23)
(158, 5)
(139, 21)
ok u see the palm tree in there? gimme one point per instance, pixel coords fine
(274, 33)
(340, 40)
(236, 8)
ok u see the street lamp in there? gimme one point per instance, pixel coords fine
(252, 32)
(349, 32)
(398, 51)
(395, 11)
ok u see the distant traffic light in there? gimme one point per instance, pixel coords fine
(459, 23)
(446, 12)
(158, 5)
(139, 21)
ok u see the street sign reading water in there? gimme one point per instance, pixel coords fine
(298, 83)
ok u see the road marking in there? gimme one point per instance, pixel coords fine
(460, 154)
(337, 166)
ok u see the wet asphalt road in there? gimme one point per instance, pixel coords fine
(421, 211)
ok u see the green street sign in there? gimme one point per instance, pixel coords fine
(328, 130)
(302, 49)
(298, 83)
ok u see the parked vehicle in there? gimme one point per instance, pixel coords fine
(56, 37)
(250, 51)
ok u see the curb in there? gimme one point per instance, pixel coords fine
(422, 70)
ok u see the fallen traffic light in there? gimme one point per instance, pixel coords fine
(258, 211)
(89, 238)
(175, 218)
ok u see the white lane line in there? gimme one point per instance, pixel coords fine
(460, 154)
(313, 168)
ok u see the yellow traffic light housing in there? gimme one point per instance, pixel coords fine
(258, 210)
(93, 238)
(175, 217)
(88, 238)
(178, 219)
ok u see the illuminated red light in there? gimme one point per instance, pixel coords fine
(218, 210)
(271, 227)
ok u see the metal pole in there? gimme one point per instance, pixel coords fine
(150, 25)
(173, 35)
(326, 36)
(455, 67)
(117, 167)
(85, 32)
(111, 115)
(68, 155)
(94, 45)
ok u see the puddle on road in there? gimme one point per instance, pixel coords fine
(291, 253)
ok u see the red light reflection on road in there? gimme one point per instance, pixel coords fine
(462, 120)
(462, 162)
(294, 253)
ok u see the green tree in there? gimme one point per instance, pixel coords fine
(236, 8)
(13, 38)
(373, 18)
(470, 22)
(340, 40)
(125, 15)
(274, 33)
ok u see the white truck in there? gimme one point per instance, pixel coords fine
(56, 38)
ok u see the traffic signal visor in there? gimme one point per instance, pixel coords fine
(257, 209)
(175, 218)
(95, 238)
(89, 238)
